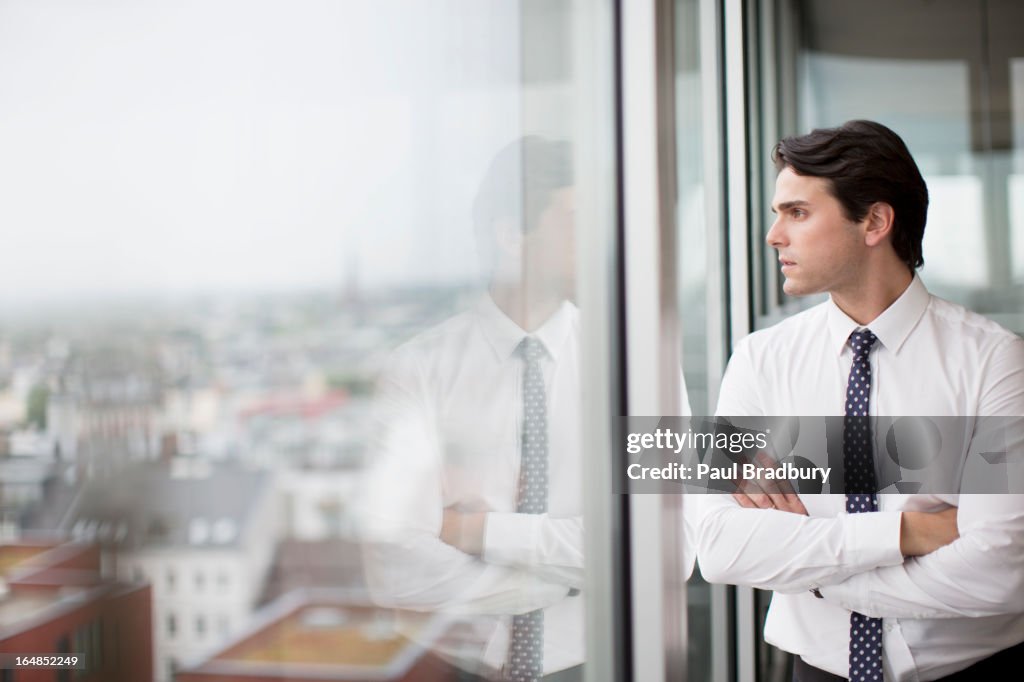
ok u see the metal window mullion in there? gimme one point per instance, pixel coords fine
(651, 310)
(713, 150)
(598, 183)
(740, 310)
(737, 169)
(717, 293)
(768, 87)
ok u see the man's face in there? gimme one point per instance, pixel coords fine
(820, 249)
(549, 249)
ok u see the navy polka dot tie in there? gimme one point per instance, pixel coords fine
(859, 479)
(526, 647)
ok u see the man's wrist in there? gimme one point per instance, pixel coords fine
(924, 532)
(473, 528)
(906, 535)
(464, 530)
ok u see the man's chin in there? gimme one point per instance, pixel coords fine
(796, 288)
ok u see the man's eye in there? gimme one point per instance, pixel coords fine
(798, 213)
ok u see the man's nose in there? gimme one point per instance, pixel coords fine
(776, 235)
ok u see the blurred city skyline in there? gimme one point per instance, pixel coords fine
(168, 148)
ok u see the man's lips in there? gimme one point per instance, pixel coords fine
(786, 263)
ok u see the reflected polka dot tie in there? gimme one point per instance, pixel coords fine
(859, 479)
(526, 648)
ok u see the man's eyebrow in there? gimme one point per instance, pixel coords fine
(789, 204)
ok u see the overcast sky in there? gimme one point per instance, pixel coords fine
(196, 146)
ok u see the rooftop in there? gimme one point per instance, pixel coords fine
(317, 634)
(297, 564)
(18, 607)
(13, 555)
(152, 503)
(324, 633)
(40, 580)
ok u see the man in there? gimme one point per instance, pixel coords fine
(473, 501)
(871, 587)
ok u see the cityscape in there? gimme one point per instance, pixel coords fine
(176, 483)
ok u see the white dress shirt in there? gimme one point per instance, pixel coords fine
(448, 426)
(941, 612)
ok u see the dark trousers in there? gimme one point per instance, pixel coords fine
(991, 668)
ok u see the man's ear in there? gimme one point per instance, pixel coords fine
(878, 223)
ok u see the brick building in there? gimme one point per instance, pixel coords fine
(53, 600)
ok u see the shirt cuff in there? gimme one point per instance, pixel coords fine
(872, 539)
(511, 539)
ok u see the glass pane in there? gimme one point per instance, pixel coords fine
(692, 276)
(288, 335)
(946, 76)
(691, 264)
(1015, 181)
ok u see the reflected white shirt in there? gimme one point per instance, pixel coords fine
(941, 612)
(449, 413)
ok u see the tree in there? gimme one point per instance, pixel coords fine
(35, 411)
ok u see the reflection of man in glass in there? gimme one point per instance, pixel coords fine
(909, 587)
(473, 504)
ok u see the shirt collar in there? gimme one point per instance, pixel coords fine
(892, 327)
(504, 335)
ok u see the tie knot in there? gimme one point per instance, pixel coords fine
(862, 341)
(531, 349)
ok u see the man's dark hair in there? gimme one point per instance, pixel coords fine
(865, 162)
(520, 182)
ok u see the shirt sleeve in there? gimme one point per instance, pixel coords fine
(546, 546)
(786, 552)
(980, 574)
(739, 393)
(400, 513)
(422, 573)
(1003, 393)
(777, 550)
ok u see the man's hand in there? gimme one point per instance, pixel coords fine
(464, 530)
(924, 532)
(768, 493)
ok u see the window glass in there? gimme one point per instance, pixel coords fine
(270, 268)
(947, 77)
(692, 274)
(950, 86)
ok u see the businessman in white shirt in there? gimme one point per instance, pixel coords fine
(472, 511)
(871, 586)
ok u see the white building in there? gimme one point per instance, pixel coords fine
(202, 534)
